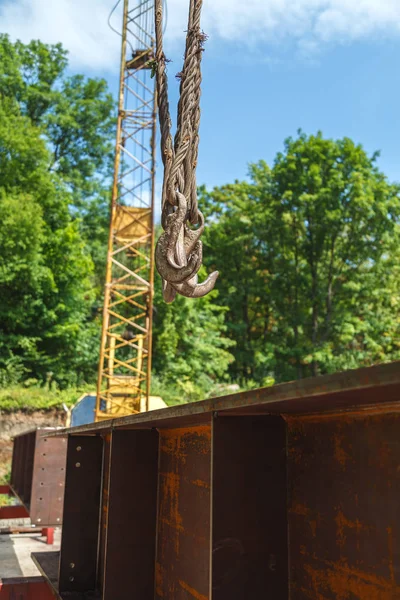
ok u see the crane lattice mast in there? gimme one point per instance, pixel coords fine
(125, 354)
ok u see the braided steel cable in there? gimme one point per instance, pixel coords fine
(179, 249)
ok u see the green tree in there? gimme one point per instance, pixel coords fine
(75, 114)
(235, 249)
(318, 261)
(45, 271)
(191, 353)
(76, 118)
(56, 140)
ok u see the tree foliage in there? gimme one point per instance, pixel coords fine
(310, 253)
(191, 353)
(56, 140)
(52, 161)
(308, 249)
(74, 113)
(45, 270)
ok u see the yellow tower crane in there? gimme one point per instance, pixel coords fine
(123, 385)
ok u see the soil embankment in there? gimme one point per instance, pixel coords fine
(12, 424)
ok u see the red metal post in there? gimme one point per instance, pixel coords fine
(48, 532)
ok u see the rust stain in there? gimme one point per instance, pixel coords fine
(171, 443)
(346, 416)
(306, 593)
(343, 523)
(390, 549)
(170, 484)
(295, 454)
(349, 584)
(192, 591)
(313, 527)
(385, 454)
(159, 577)
(340, 453)
(300, 509)
(180, 451)
(174, 441)
(201, 483)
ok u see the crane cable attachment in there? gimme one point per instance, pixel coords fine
(179, 250)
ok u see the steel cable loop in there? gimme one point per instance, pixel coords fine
(179, 249)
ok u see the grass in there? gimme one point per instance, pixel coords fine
(30, 399)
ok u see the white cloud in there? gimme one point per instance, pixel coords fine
(81, 25)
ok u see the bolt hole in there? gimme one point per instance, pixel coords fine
(71, 578)
(78, 448)
(77, 465)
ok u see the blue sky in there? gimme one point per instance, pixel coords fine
(270, 67)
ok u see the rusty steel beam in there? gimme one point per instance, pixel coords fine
(183, 536)
(129, 563)
(233, 504)
(328, 392)
(78, 565)
(249, 536)
(37, 475)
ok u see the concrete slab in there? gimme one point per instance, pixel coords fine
(15, 553)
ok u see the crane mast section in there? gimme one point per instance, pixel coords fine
(125, 353)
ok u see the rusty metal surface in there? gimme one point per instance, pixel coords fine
(48, 565)
(28, 467)
(184, 516)
(14, 465)
(78, 564)
(249, 509)
(105, 480)
(18, 466)
(338, 391)
(47, 483)
(37, 475)
(132, 510)
(304, 506)
(344, 490)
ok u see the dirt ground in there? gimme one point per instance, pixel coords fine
(18, 422)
